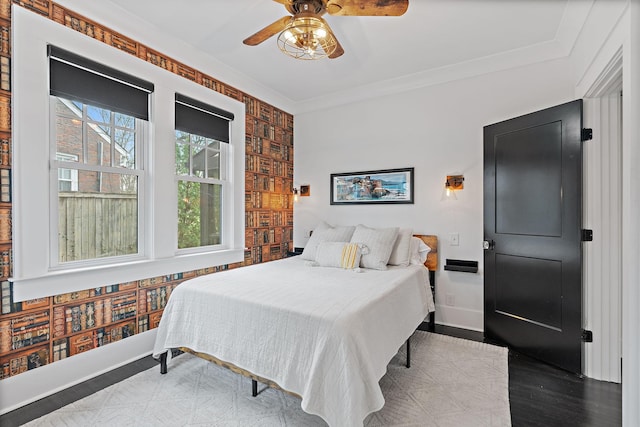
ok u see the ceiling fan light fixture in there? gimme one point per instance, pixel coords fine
(307, 38)
(320, 33)
(289, 36)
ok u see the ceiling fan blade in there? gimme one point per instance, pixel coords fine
(268, 31)
(339, 50)
(367, 7)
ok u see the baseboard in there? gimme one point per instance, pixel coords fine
(44, 381)
(458, 317)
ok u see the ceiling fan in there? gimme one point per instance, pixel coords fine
(305, 35)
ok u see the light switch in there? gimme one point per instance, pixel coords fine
(454, 239)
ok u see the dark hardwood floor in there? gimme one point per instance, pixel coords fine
(58, 400)
(540, 395)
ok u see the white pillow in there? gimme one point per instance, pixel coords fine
(339, 254)
(380, 243)
(325, 233)
(419, 251)
(309, 251)
(401, 253)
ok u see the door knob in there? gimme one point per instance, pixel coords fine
(488, 245)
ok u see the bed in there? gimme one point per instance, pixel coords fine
(321, 333)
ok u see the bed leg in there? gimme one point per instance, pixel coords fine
(254, 388)
(409, 352)
(163, 363)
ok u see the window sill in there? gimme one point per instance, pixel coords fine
(59, 282)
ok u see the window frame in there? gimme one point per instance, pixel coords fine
(204, 125)
(223, 181)
(138, 170)
(32, 274)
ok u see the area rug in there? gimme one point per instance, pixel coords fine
(451, 382)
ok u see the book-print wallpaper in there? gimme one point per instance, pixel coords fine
(37, 332)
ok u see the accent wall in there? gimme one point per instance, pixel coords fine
(51, 329)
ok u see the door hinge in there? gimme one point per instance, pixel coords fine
(587, 336)
(587, 134)
(587, 235)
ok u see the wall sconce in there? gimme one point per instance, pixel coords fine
(452, 184)
(303, 191)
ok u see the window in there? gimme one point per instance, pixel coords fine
(98, 130)
(128, 144)
(202, 137)
(67, 178)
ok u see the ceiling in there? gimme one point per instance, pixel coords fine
(435, 41)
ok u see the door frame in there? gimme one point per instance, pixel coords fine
(602, 212)
(630, 223)
(625, 35)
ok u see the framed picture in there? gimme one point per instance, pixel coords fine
(380, 186)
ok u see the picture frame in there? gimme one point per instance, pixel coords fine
(386, 186)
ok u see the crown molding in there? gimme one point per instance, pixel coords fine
(571, 24)
(463, 70)
(569, 29)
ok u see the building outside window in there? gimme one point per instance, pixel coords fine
(67, 178)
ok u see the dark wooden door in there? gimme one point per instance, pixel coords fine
(532, 229)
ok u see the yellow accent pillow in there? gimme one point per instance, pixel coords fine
(351, 254)
(339, 254)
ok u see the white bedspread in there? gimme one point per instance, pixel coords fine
(326, 334)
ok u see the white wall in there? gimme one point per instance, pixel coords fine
(438, 131)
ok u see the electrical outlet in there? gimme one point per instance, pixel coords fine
(454, 239)
(450, 300)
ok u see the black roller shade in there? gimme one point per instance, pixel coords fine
(202, 119)
(80, 79)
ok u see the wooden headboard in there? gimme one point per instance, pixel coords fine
(432, 265)
(432, 258)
